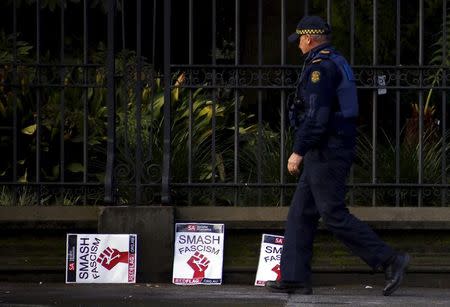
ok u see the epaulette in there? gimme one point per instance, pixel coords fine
(322, 55)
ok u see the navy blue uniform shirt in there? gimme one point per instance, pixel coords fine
(317, 88)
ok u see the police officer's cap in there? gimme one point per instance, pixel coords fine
(310, 25)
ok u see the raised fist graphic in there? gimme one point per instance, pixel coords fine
(110, 257)
(277, 270)
(199, 263)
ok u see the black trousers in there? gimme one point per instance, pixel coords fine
(320, 193)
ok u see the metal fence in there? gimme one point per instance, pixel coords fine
(186, 103)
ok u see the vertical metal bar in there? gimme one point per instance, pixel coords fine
(444, 105)
(85, 100)
(123, 25)
(214, 102)
(191, 32)
(138, 89)
(191, 109)
(154, 34)
(38, 99)
(352, 62)
(352, 32)
(236, 99)
(306, 7)
(152, 82)
(260, 128)
(374, 104)
(15, 83)
(283, 105)
(111, 105)
(62, 72)
(329, 12)
(165, 193)
(420, 162)
(397, 104)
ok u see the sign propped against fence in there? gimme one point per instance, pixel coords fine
(269, 259)
(101, 258)
(198, 254)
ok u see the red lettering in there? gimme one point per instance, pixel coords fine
(279, 240)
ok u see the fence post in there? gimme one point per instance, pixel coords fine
(111, 105)
(165, 189)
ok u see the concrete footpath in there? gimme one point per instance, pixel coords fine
(59, 294)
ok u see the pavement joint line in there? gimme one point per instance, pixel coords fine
(35, 294)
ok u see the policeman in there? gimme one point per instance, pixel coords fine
(324, 112)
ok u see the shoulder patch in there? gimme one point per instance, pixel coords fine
(325, 51)
(316, 61)
(315, 76)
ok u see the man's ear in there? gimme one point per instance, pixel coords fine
(308, 37)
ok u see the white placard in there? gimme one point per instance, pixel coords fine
(269, 259)
(198, 254)
(101, 258)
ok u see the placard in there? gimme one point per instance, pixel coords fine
(101, 258)
(269, 259)
(198, 254)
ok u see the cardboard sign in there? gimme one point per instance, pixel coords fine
(100, 258)
(269, 259)
(198, 254)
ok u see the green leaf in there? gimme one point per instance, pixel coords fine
(90, 92)
(30, 130)
(100, 177)
(55, 170)
(23, 179)
(2, 109)
(75, 167)
(93, 142)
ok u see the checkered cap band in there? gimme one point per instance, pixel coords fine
(309, 31)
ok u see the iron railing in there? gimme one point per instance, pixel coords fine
(142, 158)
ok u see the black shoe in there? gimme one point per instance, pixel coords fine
(394, 273)
(288, 287)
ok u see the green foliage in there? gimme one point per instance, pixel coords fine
(265, 148)
(440, 57)
(270, 157)
(27, 196)
(51, 99)
(22, 196)
(434, 151)
(6, 198)
(6, 46)
(255, 143)
(200, 107)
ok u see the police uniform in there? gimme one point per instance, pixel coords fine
(324, 113)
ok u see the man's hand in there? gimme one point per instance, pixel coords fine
(294, 164)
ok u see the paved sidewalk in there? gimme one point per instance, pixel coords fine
(58, 294)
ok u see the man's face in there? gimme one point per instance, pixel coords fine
(304, 43)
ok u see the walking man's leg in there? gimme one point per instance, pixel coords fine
(301, 226)
(328, 187)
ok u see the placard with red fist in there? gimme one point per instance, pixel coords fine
(198, 254)
(269, 259)
(100, 258)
